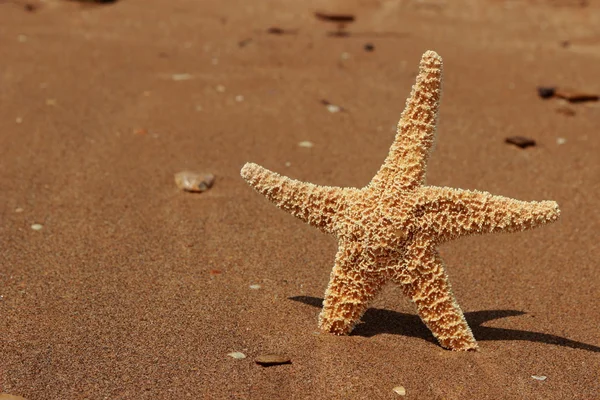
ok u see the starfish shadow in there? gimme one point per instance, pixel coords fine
(377, 321)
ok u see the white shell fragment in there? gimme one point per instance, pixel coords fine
(181, 77)
(332, 108)
(237, 355)
(539, 377)
(193, 181)
(37, 227)
(254, 287)
(306, 144)
(400, 390)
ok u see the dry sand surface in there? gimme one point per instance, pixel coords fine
(132, 289)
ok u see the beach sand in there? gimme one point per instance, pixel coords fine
(130, 288)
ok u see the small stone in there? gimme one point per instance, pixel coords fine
(332, 108)
(345, 56)
(37, 227)
(539, 377)
(215, 272)
(546, 92)
(288, 164)
(520, 141)
(140, 131)
(19, 120)
(237, 355)
(194, 182)
(561, 140)
(19, 210)
(181, 77)
(254, 287)
(275, 30)
(400, 390)
(369, 47)
(268, 360)
(306, 144)
(220, 88)
(239, 98)
(30, 7)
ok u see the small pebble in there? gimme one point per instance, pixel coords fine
(520, 141)
(237, 355)
(400, 390)
(239, 98)
(37, 227)
(306, 144)
(345, 56)
(561, 140)
(19, 210)
(194, 182)
(539, 377)
(274, 30)
(369, 47)
(181, 77)
(268, 360)
(288, 164)
(220, 88)
(19, 120)
(332, 108)
(546, 92)
(254, 287)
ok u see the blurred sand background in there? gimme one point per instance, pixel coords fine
(133, 289)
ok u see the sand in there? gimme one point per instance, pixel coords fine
(134, 289)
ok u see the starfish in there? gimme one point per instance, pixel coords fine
(389, 230)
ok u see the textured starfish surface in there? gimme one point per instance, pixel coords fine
(389, 230)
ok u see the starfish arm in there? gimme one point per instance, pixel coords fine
(406, 163)
(455, 212)
(350, 290)
(425, 282)
(317, 205)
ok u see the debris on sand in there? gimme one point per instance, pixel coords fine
(570, 95)
(575, 96)
(194, 182)
(332, 108)
(237, 355)
(520, 141)
(400, 390)
(337, 18)
(275, 30)
(269, 360)
(306, 144)
(546, 92)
